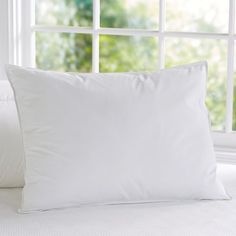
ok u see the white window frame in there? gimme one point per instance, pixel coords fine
(22, 52)
(3, 38)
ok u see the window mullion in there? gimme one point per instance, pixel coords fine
(161, 54)
(230, 69)
(32, 33)
(26, 9)
(14, 24)
(96, 26)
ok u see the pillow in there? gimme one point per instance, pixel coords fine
(11, 147)
(114, 138)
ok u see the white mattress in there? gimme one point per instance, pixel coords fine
(199, 218)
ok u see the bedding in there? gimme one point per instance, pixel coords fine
(114, 138)
(11, 147)
(184, 218)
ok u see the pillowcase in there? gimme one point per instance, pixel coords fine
(11, 147)
(115, 138)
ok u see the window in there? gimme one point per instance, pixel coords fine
(137, 35)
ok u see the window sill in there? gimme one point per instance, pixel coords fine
(225, 155)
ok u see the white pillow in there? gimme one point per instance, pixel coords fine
(115, 138)
(11, 147)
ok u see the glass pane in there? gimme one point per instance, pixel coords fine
(128, 53)
(129, 13)
(64, 52)
(197, 16)
(181, 51)
(64, 12)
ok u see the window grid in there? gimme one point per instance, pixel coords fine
(161, 35)
(96, 31)
(95, 42)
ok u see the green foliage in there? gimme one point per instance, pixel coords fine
(122, 53)
(64, 52)
(113, 14)
(120, 14)
(83, 14)
(64, 12)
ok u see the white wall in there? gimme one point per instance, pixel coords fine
(3, 36)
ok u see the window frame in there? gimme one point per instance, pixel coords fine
(22, 30)
(4, 57)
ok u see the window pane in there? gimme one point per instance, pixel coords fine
(197, 16)
(128, 53)
(64, 12)
(129, 13)
(64, 52)
(180, 51)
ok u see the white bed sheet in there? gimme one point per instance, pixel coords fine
(195, 218)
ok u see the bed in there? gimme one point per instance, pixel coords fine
(190, 218)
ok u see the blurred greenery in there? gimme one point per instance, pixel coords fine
(73, 52)
(64, 52)
(129, 14)
(127, 53)
(64, 12)
(209, 16)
